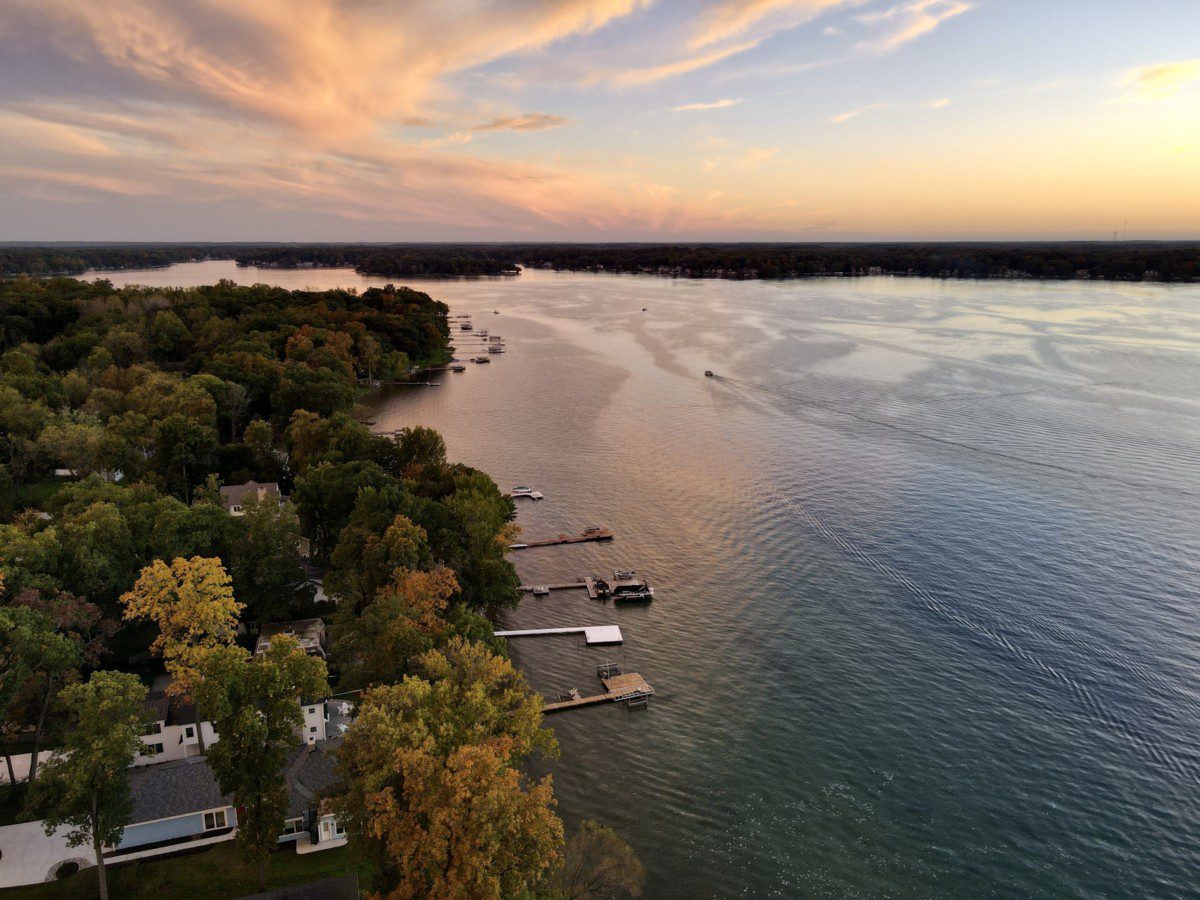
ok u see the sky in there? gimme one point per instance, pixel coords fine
(598, 120)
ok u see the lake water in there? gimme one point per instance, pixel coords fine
(927, 562)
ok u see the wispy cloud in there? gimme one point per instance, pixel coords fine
(732, 18)
(1160, 80)
(908, 21)
(647, 75)
(699, 107)
(527, 122)
(855, 113)
(940, 103)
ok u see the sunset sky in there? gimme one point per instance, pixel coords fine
(598, 119)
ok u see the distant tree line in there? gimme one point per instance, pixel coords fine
(1140, 261)
(1119, 261)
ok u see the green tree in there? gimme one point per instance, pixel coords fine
(364, 559)
(269, 576)
(85, 788)
(254, 704)
(73, 635)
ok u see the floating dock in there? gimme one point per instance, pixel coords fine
(593, 634)
(631, 689)
(592, 534)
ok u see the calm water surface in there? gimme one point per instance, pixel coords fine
(926, 561)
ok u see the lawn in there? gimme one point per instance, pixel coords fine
(217, 873)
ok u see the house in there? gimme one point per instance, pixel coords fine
(174, 806)
(311, 823)
(310, 633)
(235, 496)
(171, 733)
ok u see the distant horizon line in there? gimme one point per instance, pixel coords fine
(958, 242)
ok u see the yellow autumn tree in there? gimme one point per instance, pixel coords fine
(192, 603)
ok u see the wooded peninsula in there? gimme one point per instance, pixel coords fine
(186, 488)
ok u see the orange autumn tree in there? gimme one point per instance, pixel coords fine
(433, 788)
(191, 601)
(405, 619)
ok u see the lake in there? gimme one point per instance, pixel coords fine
(926, 558)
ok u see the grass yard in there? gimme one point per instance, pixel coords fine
(218, 872)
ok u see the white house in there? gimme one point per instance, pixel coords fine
(172, 732)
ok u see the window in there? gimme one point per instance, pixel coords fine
(153, 728)
(338, 830)
(313, 730)
(312, 710)
(214, 820)
(293, 826)
(189, 731)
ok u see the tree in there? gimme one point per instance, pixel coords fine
(268, 573)
(191, 601)
(254, 704)
(77, 639)
(432, 785)
(403, 621)
(465, 827)
(30, 651)
(420, 446)
(364, 560)
(597, 863)
(86, 786)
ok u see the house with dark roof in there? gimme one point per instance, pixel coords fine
(311, 823)
(235, 496)
(175, 806)
(172, 730)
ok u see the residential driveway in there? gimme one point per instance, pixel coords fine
(28, 856)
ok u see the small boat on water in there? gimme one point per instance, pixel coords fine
(495, 312)
(458, 368)
(482, 359)
(494, 339)
(496, 348)
(466, 326)
(708, 373)
(483, 332)
(626, 586)
(522, 490)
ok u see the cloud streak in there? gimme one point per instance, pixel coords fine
(700, 107)
(1160, 80)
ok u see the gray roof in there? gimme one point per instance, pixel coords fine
(234, 494)
(166, 790)
(309, 775)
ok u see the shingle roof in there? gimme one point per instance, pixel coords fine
(234, 494)
(310, 773)
(164, 790)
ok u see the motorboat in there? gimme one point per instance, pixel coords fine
(627, 585)
(482, 359)
(522, 490)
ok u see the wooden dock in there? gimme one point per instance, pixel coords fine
(628, 688)
(547, 588)
(592, 534)
(592, 634)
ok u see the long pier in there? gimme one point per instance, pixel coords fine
(593, 634)
(592, 534)
(631, 688)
